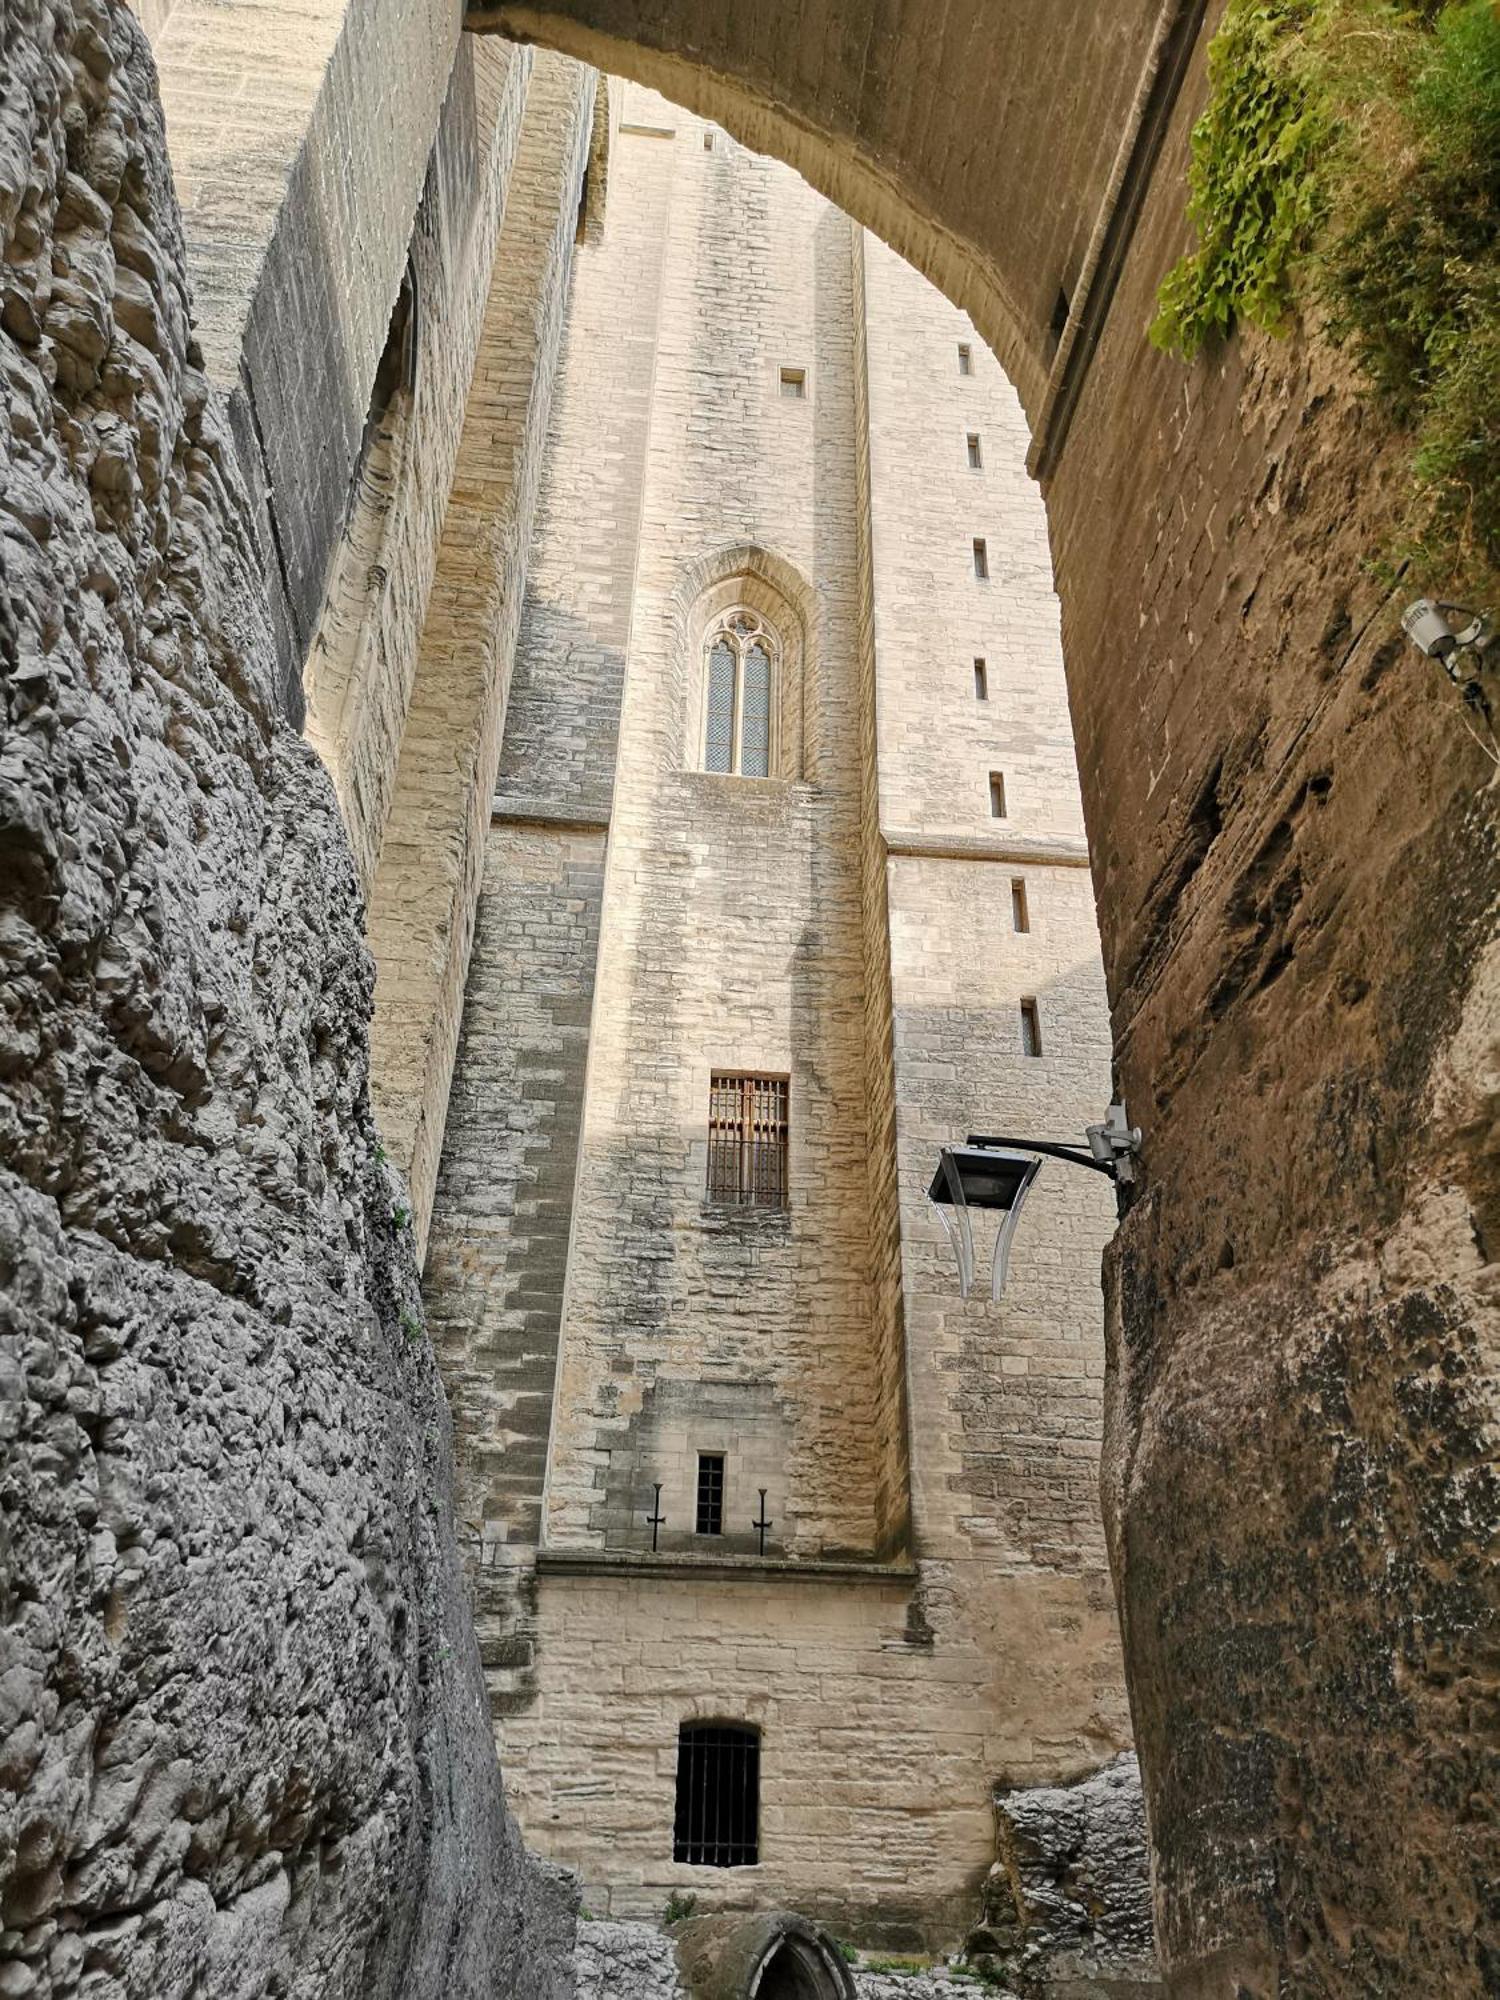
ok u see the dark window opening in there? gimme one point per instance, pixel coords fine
(710, 1518)
(981, 559)
(717, 1822)
(1062, 309)
(976, 457)
(965, 358)
(794, 383)
(981, 681)
(397, 366)
(747, 1140)
(997, 795)
(1020, 915)
(708, 142)
(1031, 1029)
(581, 219)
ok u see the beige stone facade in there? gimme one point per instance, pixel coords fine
(762, 410)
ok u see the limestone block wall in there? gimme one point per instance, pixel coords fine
(362, 662)
(300, 133)
(875, 1808)
(849, 926)
(243, 1746)
(425, 891)
(1007, 1400)
(733, 923)
(497, 1254)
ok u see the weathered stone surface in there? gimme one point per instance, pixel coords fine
(243, 1744)
(616, 1960)
(1067, 1908)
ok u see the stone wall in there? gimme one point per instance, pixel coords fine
(1296, 862)
(599, 1327)
(363, 659)
(1007, 1400)
(299, 143)
(243, 1745)
(426, 886)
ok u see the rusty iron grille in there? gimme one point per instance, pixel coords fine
(747, 1139)
(710, 1517)
(717, 1824)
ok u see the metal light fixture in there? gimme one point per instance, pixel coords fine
(1458, 639)
(997, 1173)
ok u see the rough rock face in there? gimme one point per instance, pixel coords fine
(243, 1747)
(619, 1959)
(1067, 1908)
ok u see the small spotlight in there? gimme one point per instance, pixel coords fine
(1431, 628)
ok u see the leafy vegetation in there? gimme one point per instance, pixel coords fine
(1255, 196)
(1348, 166)
(678, 1908)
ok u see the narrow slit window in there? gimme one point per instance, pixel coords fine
(981, 559)
(997, 795)
(794, 383)
(981, 680)
(710, 1515)
(1031, 1029)
(717, 1821)
(1019, 912)
(747, 1140)
(976, 456)
(965, 358)
(708, 142)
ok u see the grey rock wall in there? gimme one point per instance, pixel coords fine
(243, 1743)
(1067, 1908)
(620, 1960)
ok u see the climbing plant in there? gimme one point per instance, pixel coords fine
(1255, 197)
(1347, 168)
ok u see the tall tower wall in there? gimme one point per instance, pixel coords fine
(760, 416)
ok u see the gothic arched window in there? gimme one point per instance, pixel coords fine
(740, 706)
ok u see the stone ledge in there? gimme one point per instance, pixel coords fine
(775, 1569)
(509, 810)
(1058, 851)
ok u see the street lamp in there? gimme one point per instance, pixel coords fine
(997, 1173)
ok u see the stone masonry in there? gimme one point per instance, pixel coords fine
(1294, 850)
(243, 1747)
(928, 1467)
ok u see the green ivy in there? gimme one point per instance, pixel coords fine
(1254, 195)
(1349, 161)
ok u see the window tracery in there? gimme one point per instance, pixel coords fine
(743, 660)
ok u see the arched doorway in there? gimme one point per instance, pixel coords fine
(796, 1972)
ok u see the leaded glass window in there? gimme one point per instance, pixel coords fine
(740, 696)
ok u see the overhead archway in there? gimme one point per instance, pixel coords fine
(1296, 869)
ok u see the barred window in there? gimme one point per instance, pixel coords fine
(747, 1140)
(717, 1822)
(709, 1519)
(740, 708)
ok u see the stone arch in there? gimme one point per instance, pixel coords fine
(773, 588)
(774, 1955)
(1019, 229)
(1299, 947)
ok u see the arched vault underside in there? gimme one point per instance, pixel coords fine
(1295, 860)
(1002, 149)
